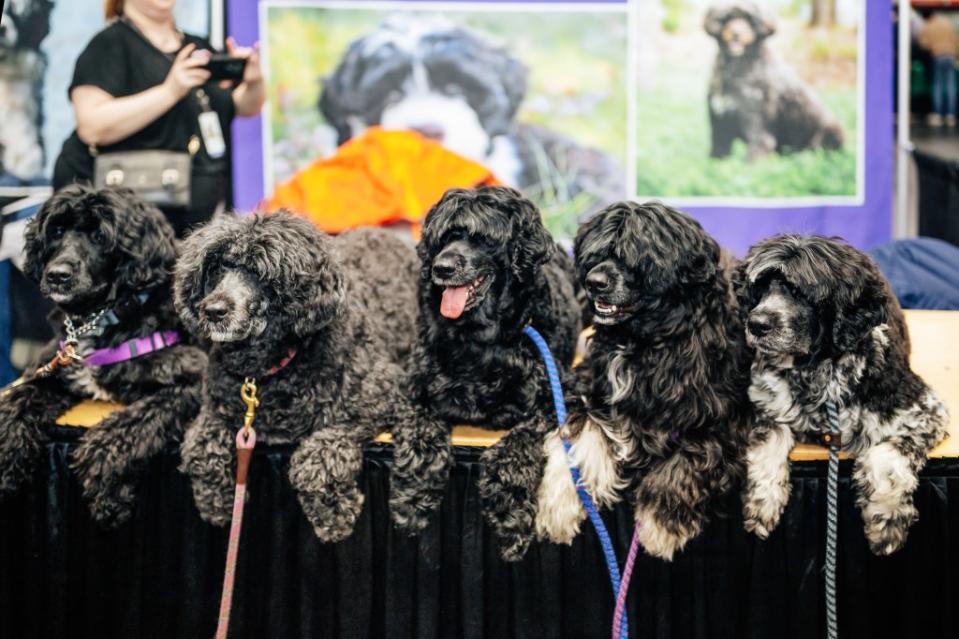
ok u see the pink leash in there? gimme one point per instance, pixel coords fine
(624, 583)
(245, 441)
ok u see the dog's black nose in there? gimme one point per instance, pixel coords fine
(59, 273)
(444, 268)
(759, 325)
(597, 281)
(215, 310)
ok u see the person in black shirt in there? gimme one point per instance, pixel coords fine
(141, 84)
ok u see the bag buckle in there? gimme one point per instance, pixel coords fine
(169, 178)
(114, 177)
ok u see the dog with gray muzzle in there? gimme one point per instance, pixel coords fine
(320, 324)
(660, 398)
(824, 327)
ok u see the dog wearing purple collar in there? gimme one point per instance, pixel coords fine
(105, 258)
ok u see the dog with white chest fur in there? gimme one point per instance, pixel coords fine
(825, 326)
(661, 395)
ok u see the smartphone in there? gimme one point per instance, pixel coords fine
(223, 67)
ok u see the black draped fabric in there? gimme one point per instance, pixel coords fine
(159, 575)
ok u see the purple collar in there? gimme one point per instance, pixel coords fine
(130, 349)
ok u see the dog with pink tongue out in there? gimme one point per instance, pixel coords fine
(489, 269)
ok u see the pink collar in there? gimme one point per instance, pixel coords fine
(290, 354)
(130, 349)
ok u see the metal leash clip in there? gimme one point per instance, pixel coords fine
(248, 395)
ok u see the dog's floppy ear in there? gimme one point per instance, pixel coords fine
(33, 25)
(201, 248)
(146, 241)
(534, 245)
(763, 21)
(512, 74)
(338, 97)
(713, 22)
(860, 301)
(321, 294)
(35, 237)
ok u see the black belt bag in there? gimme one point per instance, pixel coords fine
(160, 177)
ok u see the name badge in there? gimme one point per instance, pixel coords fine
(212, 134)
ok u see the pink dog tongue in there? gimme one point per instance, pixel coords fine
(454, 301)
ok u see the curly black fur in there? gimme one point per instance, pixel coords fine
(479, 368)
(92, 249)
(754, 96)
(261, 285)
(662, 391)
(825, 326)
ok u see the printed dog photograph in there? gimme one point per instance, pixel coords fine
(750, 100)
(535, 94)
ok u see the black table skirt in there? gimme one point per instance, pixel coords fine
(159, 575)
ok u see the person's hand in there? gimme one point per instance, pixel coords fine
(252, 73)
(188, 71)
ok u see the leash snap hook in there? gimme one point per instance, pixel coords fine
(248, 395)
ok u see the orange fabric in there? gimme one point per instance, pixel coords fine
(381, 177)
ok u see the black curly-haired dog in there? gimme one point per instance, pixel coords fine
(319, 323)
(105, 258)
(489, 268)
(825, 326)
(754, 96)
(661, 395)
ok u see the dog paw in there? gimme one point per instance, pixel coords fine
(559, 511)
(886, 535)
(214, 508)
(513, 547)
(111, 509)
(408, 517)
(659, 539)
(333, 513)
(760, 518)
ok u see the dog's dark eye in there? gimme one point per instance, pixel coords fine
(56, 232)
(97, 236)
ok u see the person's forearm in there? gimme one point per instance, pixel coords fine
(118, 118)
(249, 98)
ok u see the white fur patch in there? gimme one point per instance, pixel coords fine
(591, 452)
(767, 467)
(656, 539)
(772, 393)
(621, 378)
(558, 510)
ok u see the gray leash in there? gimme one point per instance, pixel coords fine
(832, 439)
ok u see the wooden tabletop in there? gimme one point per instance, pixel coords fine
(935, 357)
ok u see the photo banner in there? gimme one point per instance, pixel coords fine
(756, 123)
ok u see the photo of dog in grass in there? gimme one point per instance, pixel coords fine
(751, 100)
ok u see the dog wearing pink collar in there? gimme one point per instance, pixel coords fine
(105, 258)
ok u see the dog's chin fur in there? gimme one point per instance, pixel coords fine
(664, 388)
(858, 359)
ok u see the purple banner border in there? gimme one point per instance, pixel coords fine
(736, 228)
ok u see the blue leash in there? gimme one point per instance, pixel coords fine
(605, 540)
